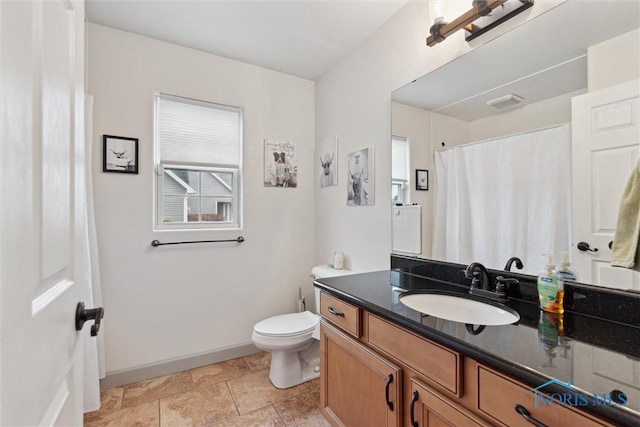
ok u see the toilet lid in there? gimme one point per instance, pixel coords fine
(287, 324)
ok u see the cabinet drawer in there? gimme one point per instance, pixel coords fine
(340, 313)
(430, 408)
(437, 363)
(498, 397)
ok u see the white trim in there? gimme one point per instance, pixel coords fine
(50, 295)
(207, 104)
(171, 366)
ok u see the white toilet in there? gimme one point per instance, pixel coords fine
(294, 340)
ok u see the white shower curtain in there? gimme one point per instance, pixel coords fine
(504, 197)
(94, 368)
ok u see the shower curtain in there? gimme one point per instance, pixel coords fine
(504, 197)
(94, 368)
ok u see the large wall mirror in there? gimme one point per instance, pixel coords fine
(528, 141)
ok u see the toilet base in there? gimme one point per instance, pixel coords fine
(288, 369)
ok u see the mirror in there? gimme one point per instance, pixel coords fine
(566, 53)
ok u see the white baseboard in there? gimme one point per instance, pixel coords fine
(166, 367)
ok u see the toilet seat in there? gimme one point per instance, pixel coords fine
(287, 325)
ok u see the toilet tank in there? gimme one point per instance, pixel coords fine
(321, 272)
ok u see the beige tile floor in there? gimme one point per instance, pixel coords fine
(232, 393)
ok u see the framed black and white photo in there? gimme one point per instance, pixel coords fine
(422, 179)
(119, 154)
(360, 178)
(328, 153)
(280, 164)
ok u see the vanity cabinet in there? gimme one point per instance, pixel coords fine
(357, 386)
(429, 408)
(376, 373)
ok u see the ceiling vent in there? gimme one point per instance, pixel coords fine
(504, 102)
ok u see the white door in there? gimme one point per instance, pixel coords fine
(606, 141)
(42, 178)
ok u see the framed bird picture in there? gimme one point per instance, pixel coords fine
(119, 154)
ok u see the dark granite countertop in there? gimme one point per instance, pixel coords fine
(597, 356)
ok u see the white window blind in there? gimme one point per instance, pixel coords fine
(196, 132)
(399, 159)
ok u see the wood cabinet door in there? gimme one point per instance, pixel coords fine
(357, 387)
(431, 409)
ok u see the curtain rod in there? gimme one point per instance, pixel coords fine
(482, 141)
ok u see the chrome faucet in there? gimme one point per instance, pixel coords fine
(511, 260)
(478, 275)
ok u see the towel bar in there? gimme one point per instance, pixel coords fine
(155, 243)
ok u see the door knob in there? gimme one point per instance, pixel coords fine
(82, 315)
(611, 244)
(584, 246)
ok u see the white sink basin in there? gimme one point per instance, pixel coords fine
(460, 309)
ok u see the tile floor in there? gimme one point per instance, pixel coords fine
(232, 393)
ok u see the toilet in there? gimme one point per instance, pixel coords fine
(294, 340)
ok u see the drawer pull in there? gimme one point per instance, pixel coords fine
(386, 391)
(334, 312)
(414, 398)
(527, 416)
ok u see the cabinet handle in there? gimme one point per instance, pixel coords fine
(414, 398)
(335, 313)
(527, 416)
(386, 391)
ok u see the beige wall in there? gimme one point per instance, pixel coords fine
(174, 301)
(614, 61)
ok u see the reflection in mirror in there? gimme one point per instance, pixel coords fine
(529, 140)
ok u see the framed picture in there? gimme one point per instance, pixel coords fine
(119, 154)
(360, 178)
(328, 153)
(280, 164)
(422, 179)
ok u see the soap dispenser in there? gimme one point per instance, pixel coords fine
(550, 288)
(565, 271)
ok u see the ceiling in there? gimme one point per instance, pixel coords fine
(543, 58)
(298, 37)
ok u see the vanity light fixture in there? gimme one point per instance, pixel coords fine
(483, 16)
(506, 101)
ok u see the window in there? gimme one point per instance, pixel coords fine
(399, 169)
(198, 164)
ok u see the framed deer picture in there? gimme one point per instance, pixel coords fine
(328, 154)
(119, 154)
(360, 178)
